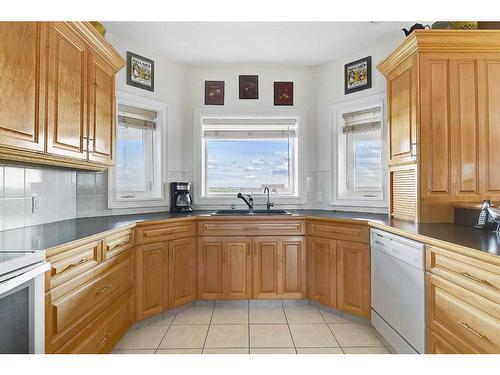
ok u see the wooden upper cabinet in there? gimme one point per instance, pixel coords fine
(464, 127)
(101, 110)
(489, 123)
(22, 84)
(322, 271)
(67, 87)
(151, 279)
(402, 93)
(182, 271)
(58, 88)
(353, 278)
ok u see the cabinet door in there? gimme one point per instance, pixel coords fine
(67, 88)
(237, 268)
(182, 271)
(464, 129)
(151, 279)
(266, 267)
(322, 271)
(22, 85)
(101, 110)
(293, 282)
(353, 278)
(210, 253)
(402, 97)
(435, 127)
(489, 110)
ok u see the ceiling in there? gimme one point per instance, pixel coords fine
(295, 43)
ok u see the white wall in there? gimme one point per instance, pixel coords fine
(170, 87)
(330, 91)
(303, 78)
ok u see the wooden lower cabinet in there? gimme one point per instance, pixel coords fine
(353, 278)
(151, 280)
(279, 267)
(435, 344)
(182, 271)
(224, 268)
(104, 332)
(322, 271)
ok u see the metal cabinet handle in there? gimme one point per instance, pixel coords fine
(118, 244)
(469, 276)
(104, 289)
(81, 261)
(475, 332)
(104, 339)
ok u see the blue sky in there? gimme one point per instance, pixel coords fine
(247, 164)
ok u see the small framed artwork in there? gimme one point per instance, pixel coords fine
(283, 93)
(358, 75)
(140, 71)
(214, 92)
(249, 87)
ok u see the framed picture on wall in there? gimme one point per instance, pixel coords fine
(249, 87)
(140, 71)
(214, 92)
(283, 93)
(358, 75)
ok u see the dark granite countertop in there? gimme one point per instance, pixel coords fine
(45, 236)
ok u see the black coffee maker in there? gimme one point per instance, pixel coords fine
(180, 197)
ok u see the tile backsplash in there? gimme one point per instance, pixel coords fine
(92, 194)
(33, 195)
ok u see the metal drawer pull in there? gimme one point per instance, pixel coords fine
(118, 244)
(469, 276)
(472, 330)
(104, 289)
(104, 339)
(81, 261)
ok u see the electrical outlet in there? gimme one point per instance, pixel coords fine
(35, 204)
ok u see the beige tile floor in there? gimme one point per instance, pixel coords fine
(248, 329)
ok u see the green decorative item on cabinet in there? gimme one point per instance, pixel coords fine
(464, 25)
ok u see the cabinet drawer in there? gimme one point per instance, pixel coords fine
(117, 243)
(70, 263)
(435, 344)
(339, 231)
(255, 227)
(102, 334)
(164, 231)
(468, 321)
(69, 307)
(475, 275)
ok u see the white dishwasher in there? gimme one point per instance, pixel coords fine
(398, 291)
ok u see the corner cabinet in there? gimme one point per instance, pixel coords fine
(339, 265)
(443, 122)
(63, 74)
(165, 266)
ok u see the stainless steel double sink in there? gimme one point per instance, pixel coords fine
(248, 213)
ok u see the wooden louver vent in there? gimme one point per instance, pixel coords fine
(404, 194)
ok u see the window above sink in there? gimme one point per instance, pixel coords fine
(245, 153)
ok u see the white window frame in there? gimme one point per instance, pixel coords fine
(339, 196)
(223, 199)
(160, 145)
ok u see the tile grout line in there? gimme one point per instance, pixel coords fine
(168, 329)
(328, 325)
(289, 330)
(208, 329)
